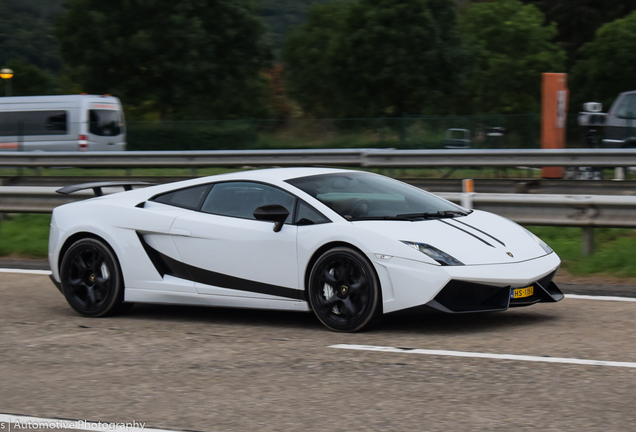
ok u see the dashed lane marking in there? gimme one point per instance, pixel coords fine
(26, 271)
(576, 361)
(604, 298)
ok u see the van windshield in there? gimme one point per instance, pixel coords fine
(367, 196)
(105, 122)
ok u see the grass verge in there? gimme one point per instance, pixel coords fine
(24, 235)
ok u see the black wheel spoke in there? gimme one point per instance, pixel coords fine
(329, 278)
(101, 283)
(75, 282)
(359, 285)
(79, 262)
(345, 271)
(348, 308)
(90, 297)
(331, 301)
(97, 263)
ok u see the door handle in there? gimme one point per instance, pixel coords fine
(180, 232)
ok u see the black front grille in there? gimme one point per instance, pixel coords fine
(460, 296)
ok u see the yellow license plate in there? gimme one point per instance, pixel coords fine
(522, 292)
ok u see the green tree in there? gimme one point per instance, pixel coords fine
(511, 49)
(372, 58)
(308, 54)
(29, 80)
(578, 20)
(26, 34)
(188, 58)
(607, 65)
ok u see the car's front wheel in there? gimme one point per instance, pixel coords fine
(91, 278)
(344, 291)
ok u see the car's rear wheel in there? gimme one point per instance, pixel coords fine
(344, 291)
(91, 279)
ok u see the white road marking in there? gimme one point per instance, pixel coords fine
(606, 298)
(26, 271)
(485, 355)
(17, 422)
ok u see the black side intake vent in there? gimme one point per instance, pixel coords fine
(460, 296)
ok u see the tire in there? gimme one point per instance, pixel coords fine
(344, 291)
(91, 279)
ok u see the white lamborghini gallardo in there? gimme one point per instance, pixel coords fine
(347, 245)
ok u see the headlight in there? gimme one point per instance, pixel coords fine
(441, 257)
(540, 242)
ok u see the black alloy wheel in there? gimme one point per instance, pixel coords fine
(344, 291)
(91, 279)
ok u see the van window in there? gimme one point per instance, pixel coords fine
(33, 123)
(105, 122)
(627, 108)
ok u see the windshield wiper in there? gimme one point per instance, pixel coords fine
(446, 214)
(398, 217)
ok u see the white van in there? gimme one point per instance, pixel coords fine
(62, 123)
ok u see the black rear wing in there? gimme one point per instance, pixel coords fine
(97, 187)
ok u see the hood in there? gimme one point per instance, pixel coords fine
(479, 238)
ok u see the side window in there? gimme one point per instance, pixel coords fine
(33, 123)
(240, 199)
(627, 108)
(189, 198)
(307, 215)
(56, 122)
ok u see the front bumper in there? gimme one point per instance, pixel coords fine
(413, 283)
(461, 297)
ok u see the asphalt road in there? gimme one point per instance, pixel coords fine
(213, 369)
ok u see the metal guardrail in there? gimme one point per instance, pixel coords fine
(387, 158)
(527, 209)
(610, 211)
(35, 199)
(586, 211)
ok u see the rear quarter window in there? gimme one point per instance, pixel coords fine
(189, 198)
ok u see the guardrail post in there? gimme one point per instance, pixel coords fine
(468, 191)
(619, 174)
(587, 234)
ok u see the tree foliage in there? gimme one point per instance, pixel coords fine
(191, 58)
(578, 20)
(607, 65)
(29, 80)
(281, 15)
(511, 48)
(372, 58)
(26, 35)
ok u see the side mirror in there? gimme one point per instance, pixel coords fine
(595, 107)
(273, 213)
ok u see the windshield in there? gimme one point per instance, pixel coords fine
(366, 196)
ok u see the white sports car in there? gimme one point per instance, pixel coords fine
(347, 245)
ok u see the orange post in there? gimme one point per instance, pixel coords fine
(554, 109)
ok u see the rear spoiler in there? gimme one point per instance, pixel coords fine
(97, 187)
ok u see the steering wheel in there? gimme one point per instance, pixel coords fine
(360, 208)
